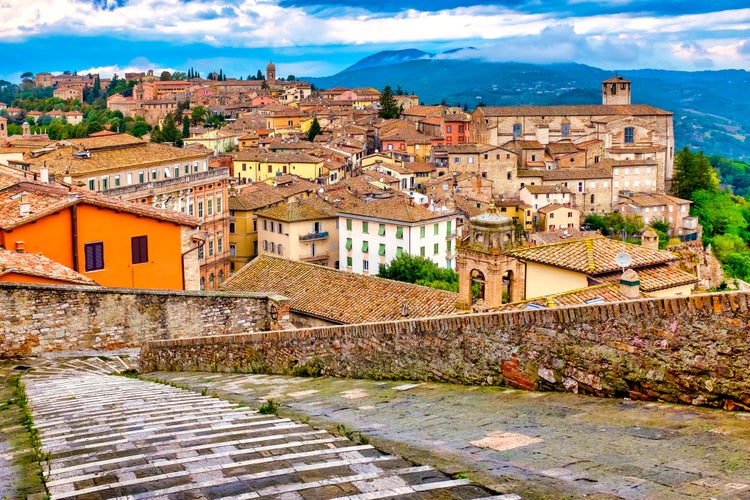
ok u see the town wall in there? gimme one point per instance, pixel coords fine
(43, 318)
(692, 349)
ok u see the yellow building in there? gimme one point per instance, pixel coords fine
(259, 166)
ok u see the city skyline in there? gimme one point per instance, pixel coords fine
(322, 37)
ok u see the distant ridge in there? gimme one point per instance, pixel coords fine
(711, 110)
(388, 57)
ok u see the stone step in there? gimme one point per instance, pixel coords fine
(117, 437)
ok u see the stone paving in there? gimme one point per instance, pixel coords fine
(533, 445)
(114, 437)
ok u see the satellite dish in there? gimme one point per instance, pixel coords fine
(623, 259)
(321, 190)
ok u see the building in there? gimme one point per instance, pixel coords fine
(259, 166)
(376, 232)
(19, 266)
(651, 207)
(112, 242)
(627, 131)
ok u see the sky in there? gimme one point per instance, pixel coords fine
(322, 37)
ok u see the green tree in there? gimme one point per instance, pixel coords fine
(314, 130)
(198, 114)
(291, 78)
(389, 108)
(185, 127)
(165, 76)
(693, 172)
(179, 75)
(420, 271)
(168, 132)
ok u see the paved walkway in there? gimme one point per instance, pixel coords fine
(535, 445)
(116, 437)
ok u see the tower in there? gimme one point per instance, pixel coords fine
(3, 130)
(482, 261)
(616, 91)
(270, 72)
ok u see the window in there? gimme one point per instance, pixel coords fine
(154, 174)
(399, 252)
(211, 248)
(421, 232)
(448, 228)
(381, 230)
(552, 215)
(565, 130)
(92, 185)
(365, 265)
(460, 128)
(200, 209)
(365, 246)
(141, 177)
(139, 249)
(348, 262)
(129, 179)
(190, 208)
(220, 245)
(177, 171)
(448, 245)
(448, 129)
(381, 249)
(278, 249)
(117, 180)
(218, 204)
(231, 228)
(570, 214)
(629, 135)
(421, 252)
(436, 248)
(516, 130)
(210, 206)
(348, 224)
(211, 281)
(201, 253)
(280, 228)
(365, 227)
(265, 245)
(273, 226)
(436, 229)
(232, 250)
(470, 160)
(399, 233)
(94, 256)
(348, 245)
(456, 159)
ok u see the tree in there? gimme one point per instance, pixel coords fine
(198, 114)
(165, 76)
(185, 127)
(168, 132)
(420, 271)
(179, 75)
(389, 108)
(693, 171)
(259, 75)
(291, 78)
(314, 130)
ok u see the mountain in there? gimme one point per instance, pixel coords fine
(711, 111)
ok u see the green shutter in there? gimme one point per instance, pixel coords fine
(381, 230)
(381, 249)
(348, 243)
(399, 232)
(365, 246)
(348, 224)
(349, 262)
(399, 252)
(448, 228)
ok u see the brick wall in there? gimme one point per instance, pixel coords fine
(686, 349)
(39, 318)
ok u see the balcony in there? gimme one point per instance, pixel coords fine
(321, 235)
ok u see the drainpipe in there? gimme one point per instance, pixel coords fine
(74, 235)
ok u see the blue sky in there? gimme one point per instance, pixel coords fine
(322, 37)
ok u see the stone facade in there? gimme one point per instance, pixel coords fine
(39, 318)
(686, 349)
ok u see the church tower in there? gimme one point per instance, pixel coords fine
(3, 130)
(270, 72)
(616, 91)
(483, 261)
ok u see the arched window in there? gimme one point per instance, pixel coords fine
(211, 281)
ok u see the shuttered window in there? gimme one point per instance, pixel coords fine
(139, 249)
(94, 256)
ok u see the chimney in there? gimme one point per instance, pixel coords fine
(19, 246)
(24, 206)
(650, 239)
(630, 284)
(44, 175)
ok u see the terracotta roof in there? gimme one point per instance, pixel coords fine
(607, 292)
(398, 209)
(555, 206)
(566, 174)
(573, 110)
(254, 196)
(277, 157)
(470, 148)
(561, 148)
(37, 265)
(112, 158)
(423, 111)
(592, 256)
(45, 199)
(546, 188)
(339, 296)
(657, 278)
(652, 199)
(530, 144)
(308, 209)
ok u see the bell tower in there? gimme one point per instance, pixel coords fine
(487, 276)
(271, 72)
(616, 91)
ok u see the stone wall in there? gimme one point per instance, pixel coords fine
(686, 349)
(41, 318)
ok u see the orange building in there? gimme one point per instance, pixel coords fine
(21, 267)
(113, 242)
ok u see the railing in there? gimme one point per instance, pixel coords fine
(320, 235)
(183, 179)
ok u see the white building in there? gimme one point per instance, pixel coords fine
(376, 232)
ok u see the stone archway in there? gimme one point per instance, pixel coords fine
(478, 279)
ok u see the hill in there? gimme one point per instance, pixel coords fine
(710, 108)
